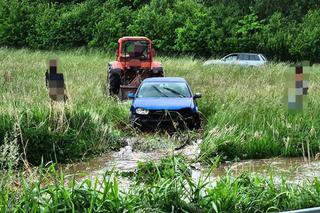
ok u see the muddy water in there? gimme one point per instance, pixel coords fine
(121, 161)
(295, 169)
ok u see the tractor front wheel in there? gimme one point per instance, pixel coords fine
(114, 84)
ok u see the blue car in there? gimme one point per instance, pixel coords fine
(164, 100)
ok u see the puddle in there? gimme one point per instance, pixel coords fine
(295, 169)
(126, 159)
(262, 166)
(85, 168)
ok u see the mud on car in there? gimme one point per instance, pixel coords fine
(164, 101)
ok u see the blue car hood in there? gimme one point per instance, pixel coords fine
(163, 103)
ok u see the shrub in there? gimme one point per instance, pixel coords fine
(307, 40)
(202, 28)
(156, 20)
(112, 21)
(198, 34)
(16, 22)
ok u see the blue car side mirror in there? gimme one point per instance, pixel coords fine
(197, 95)
(131, 95)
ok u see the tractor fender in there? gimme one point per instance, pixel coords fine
(114, 65)
(114, 68)
(156, 67)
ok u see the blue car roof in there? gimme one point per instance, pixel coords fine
(164, 79)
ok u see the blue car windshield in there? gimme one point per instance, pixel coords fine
(164, 89)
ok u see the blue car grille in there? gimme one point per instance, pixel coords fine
(170, 114)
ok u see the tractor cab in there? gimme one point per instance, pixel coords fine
(135, 53)
(134, 49)
(134, 63)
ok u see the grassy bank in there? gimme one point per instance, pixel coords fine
(246, 113)
(247, 116)
(89, 123)
(171, 190)
(243, 107)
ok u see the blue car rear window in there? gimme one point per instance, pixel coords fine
(163, 89)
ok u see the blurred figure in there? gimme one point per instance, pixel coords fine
(297, 89)
(55, 82)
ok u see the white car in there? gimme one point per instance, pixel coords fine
(245, 59)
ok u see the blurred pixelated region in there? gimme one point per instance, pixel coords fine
(55, 82)
(297, 90)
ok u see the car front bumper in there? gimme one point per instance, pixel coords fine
(157, 117)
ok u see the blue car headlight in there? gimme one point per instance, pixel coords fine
(142, 111)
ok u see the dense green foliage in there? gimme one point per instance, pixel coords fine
(285, 30)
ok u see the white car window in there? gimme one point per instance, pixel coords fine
(244, 57)
(254, 58)
(231, 58)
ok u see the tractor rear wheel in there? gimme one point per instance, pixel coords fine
(160, 74)
(114, 84)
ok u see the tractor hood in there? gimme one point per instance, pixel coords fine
(163, 103)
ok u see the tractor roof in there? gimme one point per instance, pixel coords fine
(164, 79)
(130, 38)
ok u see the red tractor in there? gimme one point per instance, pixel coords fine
(134, 63)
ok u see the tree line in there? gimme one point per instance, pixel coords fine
(286, 30)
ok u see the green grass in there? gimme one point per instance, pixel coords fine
(248, 119)
(90, 122)
(244, 109)
(172, 191)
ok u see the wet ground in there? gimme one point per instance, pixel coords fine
(126, 159)
(295, 169)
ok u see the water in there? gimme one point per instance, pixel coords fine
(295, 169)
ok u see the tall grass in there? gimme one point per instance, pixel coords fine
(52, 192)
(87, 124)
(243, 108)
